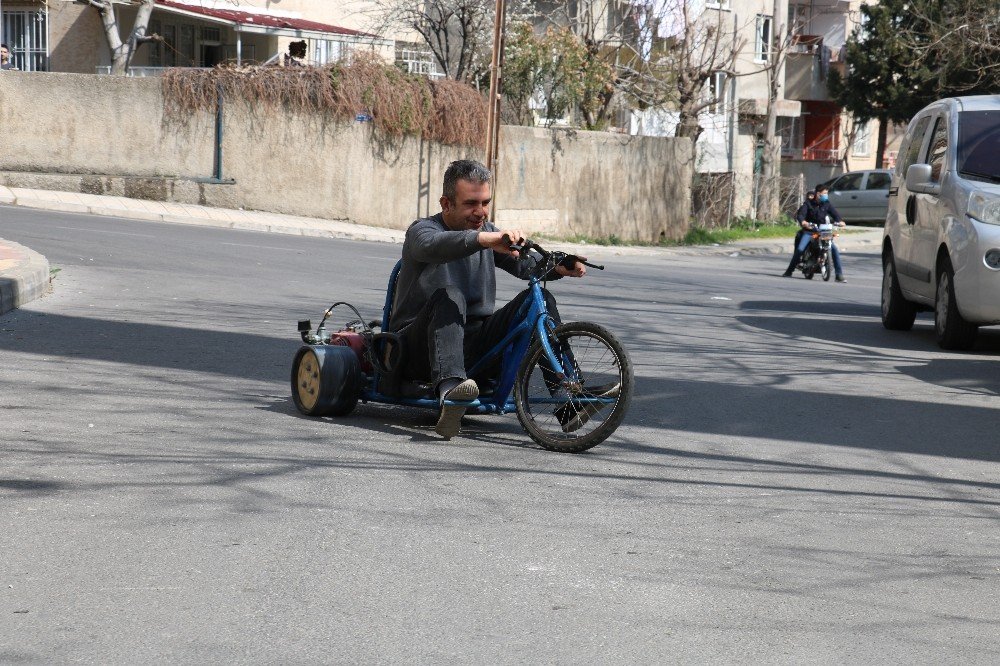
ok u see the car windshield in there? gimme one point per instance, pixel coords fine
(979, 144)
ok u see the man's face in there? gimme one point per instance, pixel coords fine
(470, 207)
(4, 54)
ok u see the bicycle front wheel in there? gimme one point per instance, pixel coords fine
(579, 408)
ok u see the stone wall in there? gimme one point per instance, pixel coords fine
(102, 134)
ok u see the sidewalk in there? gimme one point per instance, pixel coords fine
(27, 275)
(24, 275)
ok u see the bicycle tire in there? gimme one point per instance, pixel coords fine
(605, 370)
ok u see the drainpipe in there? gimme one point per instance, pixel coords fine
(239, 46)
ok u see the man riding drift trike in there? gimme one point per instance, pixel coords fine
(442, 345)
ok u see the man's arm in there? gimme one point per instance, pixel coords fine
(428, 243)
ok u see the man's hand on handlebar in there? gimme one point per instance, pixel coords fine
(501, 241)
(577, 269)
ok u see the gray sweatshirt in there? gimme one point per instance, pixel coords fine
(434, 256)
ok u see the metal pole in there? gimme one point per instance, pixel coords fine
(218, 132)
(239, 46)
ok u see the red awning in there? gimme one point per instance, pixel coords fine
(256, 22)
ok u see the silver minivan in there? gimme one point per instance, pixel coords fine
(941, 244)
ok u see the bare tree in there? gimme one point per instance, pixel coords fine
(702, 46)
(779, 40)
(458, 33)
(123, 50)
(606, 32)
(961, 38)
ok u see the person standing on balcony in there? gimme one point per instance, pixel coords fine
(5, 62)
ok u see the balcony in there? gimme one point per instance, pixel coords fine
(807, 72)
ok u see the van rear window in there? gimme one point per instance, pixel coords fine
(979, 144)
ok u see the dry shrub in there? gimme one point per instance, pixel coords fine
(398, 103)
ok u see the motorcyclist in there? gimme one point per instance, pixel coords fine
(810, 216)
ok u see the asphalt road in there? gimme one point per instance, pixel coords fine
(793, 484)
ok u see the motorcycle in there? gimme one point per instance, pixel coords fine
(818, 256)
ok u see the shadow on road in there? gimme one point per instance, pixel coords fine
(675, 405)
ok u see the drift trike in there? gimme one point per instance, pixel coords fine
(571, 383)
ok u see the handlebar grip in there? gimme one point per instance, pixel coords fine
(571, 259)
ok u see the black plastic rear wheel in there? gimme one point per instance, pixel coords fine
(326, 380)
(580, 412)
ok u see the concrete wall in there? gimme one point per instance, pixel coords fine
(110, 135)
(594, 183)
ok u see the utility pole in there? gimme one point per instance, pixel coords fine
(496, 82)
(771, 168)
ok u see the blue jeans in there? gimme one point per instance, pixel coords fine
(804, 243)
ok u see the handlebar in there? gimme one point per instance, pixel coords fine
(558, 258)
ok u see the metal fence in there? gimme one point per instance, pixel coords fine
(141, 71)
(26, 33)
(718, 199)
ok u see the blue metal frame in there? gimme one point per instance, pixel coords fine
(532, 319)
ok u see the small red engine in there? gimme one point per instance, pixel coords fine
(350, 338)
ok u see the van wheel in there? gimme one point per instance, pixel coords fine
(953, 332)
(897, 312)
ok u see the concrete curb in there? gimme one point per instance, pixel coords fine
(24, 275)
(154, 211)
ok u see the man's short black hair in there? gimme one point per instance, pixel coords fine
(5, 46)
(822, 188)
(470, 170)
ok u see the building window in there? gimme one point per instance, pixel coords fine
(717, 92)
(26, 33)
(185, 47)
(791, 133)
(798, 18)
(169, 35)
(762, 41)
(717, 4)
(418, 62)
(211, 35)
(155, 48)
(328, 50)
(862, 140)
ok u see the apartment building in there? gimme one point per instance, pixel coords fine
(63, 36)
(823, 140)
(818, 140)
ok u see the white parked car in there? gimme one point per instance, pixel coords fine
(941, 244)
